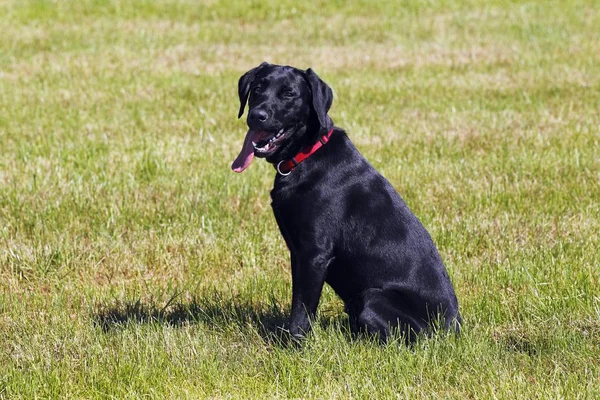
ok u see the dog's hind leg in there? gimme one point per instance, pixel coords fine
(381, 314)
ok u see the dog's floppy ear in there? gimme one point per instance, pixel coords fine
(322, 97)
(244, 86)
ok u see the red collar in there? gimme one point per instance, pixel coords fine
(285, 167)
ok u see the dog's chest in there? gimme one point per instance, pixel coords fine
(289, 211)
(287, 221)
(294, 208)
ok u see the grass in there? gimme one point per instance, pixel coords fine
(134, 263)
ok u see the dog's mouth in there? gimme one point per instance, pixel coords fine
(261, 144)
(267, 146)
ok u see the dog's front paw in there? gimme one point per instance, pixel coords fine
(290, 337)
(297, 333)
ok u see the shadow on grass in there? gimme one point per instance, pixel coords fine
(216, 311)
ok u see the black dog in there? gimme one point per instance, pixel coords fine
(343, 222)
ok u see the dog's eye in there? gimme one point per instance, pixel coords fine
(256, 90)
(289, 94)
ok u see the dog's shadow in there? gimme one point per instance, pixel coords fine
(217, 311)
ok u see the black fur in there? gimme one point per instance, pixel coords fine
(342, 221)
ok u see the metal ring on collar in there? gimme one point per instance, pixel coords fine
(279, 170)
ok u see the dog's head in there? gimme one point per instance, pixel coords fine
(287, 110)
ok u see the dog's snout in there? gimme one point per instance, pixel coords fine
(258, 115)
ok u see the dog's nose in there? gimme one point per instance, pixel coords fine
(258, 114)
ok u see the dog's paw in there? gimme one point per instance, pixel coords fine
(288, 338)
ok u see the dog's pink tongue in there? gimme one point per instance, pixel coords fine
(246, 155)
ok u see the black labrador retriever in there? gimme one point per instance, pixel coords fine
(342, 221)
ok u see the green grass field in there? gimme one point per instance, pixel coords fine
(134, 263)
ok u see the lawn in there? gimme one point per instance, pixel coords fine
(134, 263)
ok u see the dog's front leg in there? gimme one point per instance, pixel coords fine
(308, 277)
